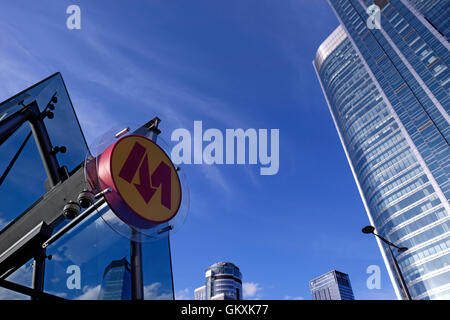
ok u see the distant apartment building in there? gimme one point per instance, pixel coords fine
(333, 285)
(200, 293)
(223, 282)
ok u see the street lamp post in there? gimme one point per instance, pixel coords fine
(371, 229)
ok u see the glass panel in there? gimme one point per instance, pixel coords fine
(25, 182)
(22, 276)
(91, 262)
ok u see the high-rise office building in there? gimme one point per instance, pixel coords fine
(116, 283)
(388, 93)
(333, 285)
(436, 12)
(223, 282)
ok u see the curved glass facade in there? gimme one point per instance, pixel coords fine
(403, 195)
(223, 282)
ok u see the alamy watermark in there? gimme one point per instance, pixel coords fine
(74, 20)
(374, 280)
(74, 278)
(374, 20)
(220, 150)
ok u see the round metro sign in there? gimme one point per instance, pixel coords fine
(146, 189)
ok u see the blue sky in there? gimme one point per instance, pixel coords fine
(234, 64)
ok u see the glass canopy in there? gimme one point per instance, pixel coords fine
(93, 250)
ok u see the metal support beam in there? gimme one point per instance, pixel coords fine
(151, 131)
(39, 271)
(10, 125)
(51, 166)
(23, 249)
(74, 222)
(28, 291)
(44, 144)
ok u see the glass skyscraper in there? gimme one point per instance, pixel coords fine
(436, 12)
(116, 281)
(333, 285)
(223, 282)
(388, 93)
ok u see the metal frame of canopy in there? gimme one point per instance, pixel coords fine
(30, 233)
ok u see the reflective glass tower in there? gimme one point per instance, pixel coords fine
(388, 92)
(223, 282)
(116, 281)
(436, 12)
(333, 285)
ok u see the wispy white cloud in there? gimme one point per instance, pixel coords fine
(153, 292)
(89, 293)
(215, 176)
(19, 67)
(58, 294)
(184, 294)
(293, 298)
(89, 111)
(119, 72)
(251, 290)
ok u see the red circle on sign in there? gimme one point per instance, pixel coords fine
(127, 199)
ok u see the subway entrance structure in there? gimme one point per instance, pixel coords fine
(77, 223)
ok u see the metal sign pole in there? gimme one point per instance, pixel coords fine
(137, 283)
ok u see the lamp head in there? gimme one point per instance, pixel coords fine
(368, 229)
